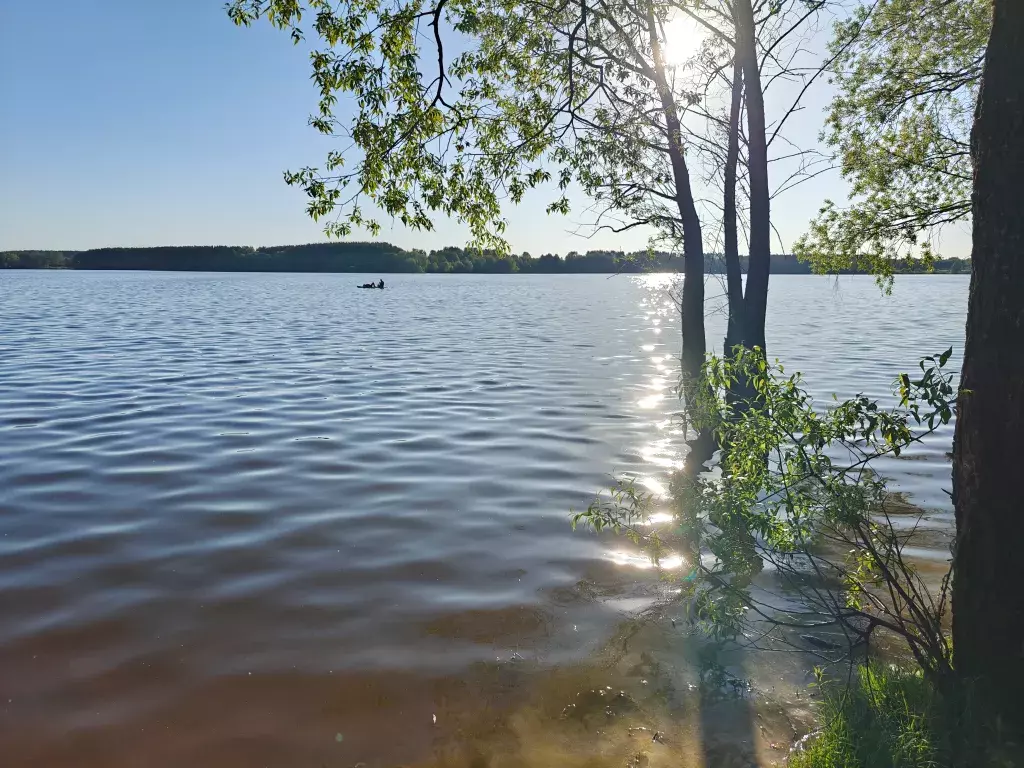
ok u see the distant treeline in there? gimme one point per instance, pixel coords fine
(387, 258)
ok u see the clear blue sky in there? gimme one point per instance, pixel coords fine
(148, 122)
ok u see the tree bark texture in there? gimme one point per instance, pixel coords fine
(759, 267)
(988, 581)
(733, 273)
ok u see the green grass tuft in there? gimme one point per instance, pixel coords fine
(887, 717)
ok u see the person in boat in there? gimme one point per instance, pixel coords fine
(381, 285)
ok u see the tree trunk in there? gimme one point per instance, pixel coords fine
(694, 345)
(759, 266)
(694, 342)
(988, 585)
(735, 334)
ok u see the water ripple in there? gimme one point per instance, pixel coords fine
(221, 496)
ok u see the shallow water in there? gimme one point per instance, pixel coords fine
(273, 520)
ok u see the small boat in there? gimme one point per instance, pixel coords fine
(370, 285)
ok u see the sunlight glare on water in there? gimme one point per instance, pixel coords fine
(654, 486)
(669, 562)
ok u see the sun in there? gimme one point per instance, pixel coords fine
(683, 38)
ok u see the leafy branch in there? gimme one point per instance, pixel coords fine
(795, 490)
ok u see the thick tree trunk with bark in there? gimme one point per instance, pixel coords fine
(694, 340)
(735, 333)
(759, 266)
(988, 584)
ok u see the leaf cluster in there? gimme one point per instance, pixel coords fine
(906, 74)
(461, 105)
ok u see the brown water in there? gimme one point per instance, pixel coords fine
(255, 520)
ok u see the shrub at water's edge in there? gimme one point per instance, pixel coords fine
(883, 717)
(795, 490)
(795, 494)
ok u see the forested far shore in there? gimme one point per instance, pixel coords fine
(389, 259)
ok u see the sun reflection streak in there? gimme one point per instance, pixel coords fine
(659, 279)
(658, 518)
(671, 562)
(655, 486)
(662, 453)
(650, 401)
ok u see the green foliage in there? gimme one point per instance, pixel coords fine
(462, 105)
(907, 75)
(603, 511)
(795, 490)
(888, 717)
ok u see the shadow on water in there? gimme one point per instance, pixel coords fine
(656, 695)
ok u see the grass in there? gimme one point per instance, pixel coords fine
(887, 717)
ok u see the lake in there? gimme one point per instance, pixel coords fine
(266, 519)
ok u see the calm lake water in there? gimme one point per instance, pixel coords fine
(254, 519)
